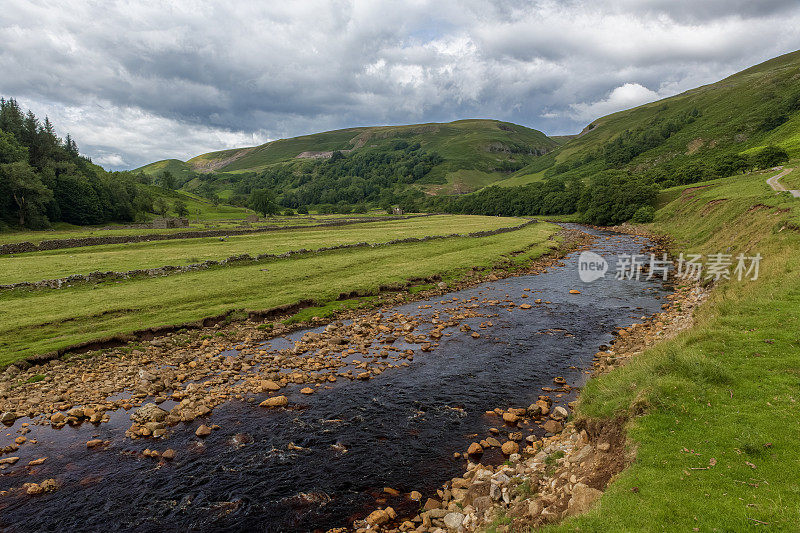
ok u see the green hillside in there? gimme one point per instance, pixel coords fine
(687, 136)
(475, 153)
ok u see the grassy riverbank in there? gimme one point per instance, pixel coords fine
(713, 412)
(36, 322)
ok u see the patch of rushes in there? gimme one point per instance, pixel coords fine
(38, 322)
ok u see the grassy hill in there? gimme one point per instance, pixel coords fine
(740, 114)
(475, 152)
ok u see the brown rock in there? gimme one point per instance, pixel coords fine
(583, 497)
(268, 385)
(510, 418)
(94, 443)
(276, 401)
(168, 455)
(415, 495)
(431, 504)
(307, 390)
(475, 449)
(553, 426)
(203, 431)
(510, 447)
(377, 518)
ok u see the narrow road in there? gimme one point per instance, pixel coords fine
(773, 182)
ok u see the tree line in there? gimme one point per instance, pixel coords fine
(44, 179)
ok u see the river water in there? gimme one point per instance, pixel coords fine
(325, 462)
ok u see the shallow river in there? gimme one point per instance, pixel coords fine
(399, 429)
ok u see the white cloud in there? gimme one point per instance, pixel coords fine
(151, 80)
(623, 97)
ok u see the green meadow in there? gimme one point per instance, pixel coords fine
(53, 264)
(36, 322)
(713, 414)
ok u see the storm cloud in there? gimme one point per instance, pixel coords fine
(135, 82)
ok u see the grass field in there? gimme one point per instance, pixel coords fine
(53, 264)
(63, 230)
(34, 322)
(726, 390)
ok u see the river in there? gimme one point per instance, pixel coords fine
(326, 461)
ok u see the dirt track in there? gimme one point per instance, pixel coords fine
(773, 182)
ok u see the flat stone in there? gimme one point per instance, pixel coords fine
(453, 520)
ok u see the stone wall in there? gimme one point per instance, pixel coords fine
(57, 244)
(96, 277)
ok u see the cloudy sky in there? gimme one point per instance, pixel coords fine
(139, 81)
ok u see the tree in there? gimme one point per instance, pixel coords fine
(27, 190)
(160, 206)
(263, 201)
(167, 180)
(10, 150)
(770, 156)
(180, 208)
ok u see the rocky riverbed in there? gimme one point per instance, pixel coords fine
(309, 426)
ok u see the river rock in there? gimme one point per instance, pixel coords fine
(559, 413)
(276, 401)
(453, 520)
(168, 455)
(415, 496)
(553, 426)
(268, 385)
(510, 418)
(510, 447)
(8, 418)
(307, 390)
(475, 449)
(149, 412)
(574, 291)
(583, 497)
(203, 431)
(94, 443)
(377, 518)
(493, 442)
(431, 504)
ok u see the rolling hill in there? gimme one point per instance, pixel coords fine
(474, 153)
(740, 114)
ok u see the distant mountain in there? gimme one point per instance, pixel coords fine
(474, 153)
(689, 137)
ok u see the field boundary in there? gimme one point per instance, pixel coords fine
(571, 242)
(96, 277)
(58, 244)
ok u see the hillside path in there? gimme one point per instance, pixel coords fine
(773, 182)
